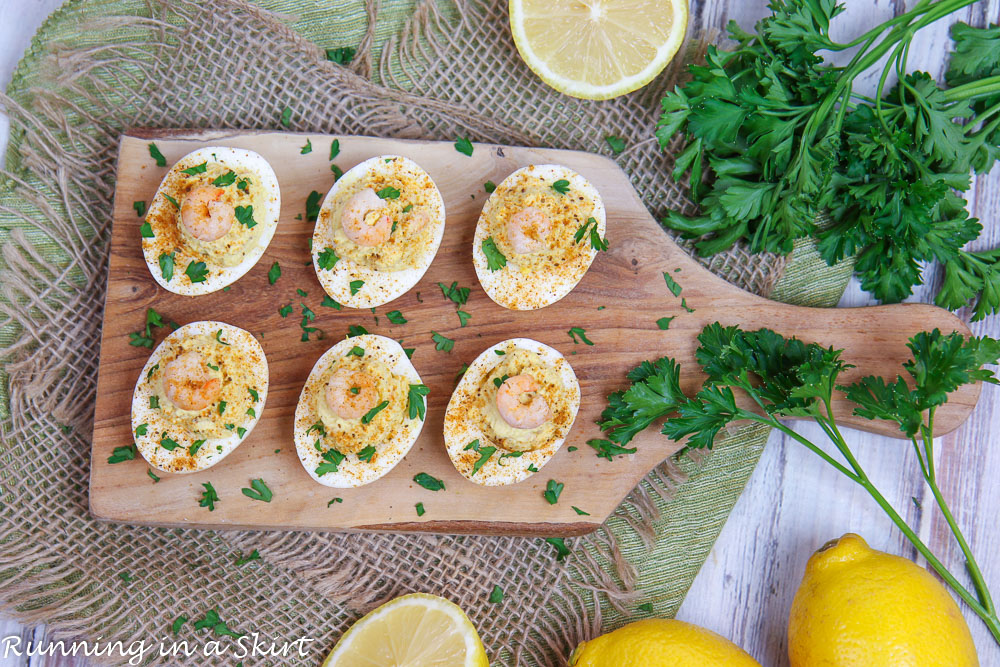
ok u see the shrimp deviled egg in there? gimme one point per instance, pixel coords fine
(359, 413)
(211, 219)
(199, 396)
(537, 236)
(377, 232)
(511, 412)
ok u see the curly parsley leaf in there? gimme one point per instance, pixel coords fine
(495, 260)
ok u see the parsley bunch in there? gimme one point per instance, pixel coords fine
(789, 378)
(776, 138)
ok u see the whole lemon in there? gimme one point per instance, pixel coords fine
(660, 642)
(858, 606)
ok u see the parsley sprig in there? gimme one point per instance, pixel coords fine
(789, 378)
(776, 138)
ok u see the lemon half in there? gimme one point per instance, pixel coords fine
(598, 49)
(416, 630)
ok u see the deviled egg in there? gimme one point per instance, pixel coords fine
(199, 396)
(377, 231)
(360, 411)
(510, 412)
(537, 235)
(211, 219)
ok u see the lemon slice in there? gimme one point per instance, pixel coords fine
(598, 49)
(416, 630)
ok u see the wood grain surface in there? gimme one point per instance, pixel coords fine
(617, 302)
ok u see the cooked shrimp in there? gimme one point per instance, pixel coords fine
(351, 394)
(520, 404)
(527, 230)
(203, 214)
(188, 383)
(417, 220)
(363, 220)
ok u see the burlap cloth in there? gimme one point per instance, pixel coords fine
(430, 69)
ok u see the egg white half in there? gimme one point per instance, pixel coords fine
(508, 286)
(380, 287)
(458, 432)
(237, 159)
(214, 450)
(352, 471)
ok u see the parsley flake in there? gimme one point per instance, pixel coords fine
(664, 322)
(356, 286)
(258, 491)
(428, 482)
(196, 272)
(496, 596)
(441, 343)
(273, 273)
(672, 284)
(121, 454)
(244, 216)
(582, 333)
(167, 265)
(415, 401)
(420, 509)
(327, 259)
(308, 148)
(495, 260)
(197, 169)
(464, 146)
(388, 192)
(155, 153)
(395, 317)
(552, 491)
(367, 419)
(209, 497)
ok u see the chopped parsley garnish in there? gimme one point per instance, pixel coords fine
(218, 337)
(509, 455)
(374, 411)
(342, 55)
(355, 286)
(579, 511)
(332, 459)
(366, 454)
(284, 311)
(301, 292)
(225, 180)
(312, 206)
(167, 442)
(307, 312)
(495, 260)
(672, 284)
(388, 192)
(146, 231)
(484, 455)
(209, 497)
(330, 303)
(258, 491)
(253, 394)
(441, 343)
(407, 208)
(489, 186)
(211, 365)
(464, 146)
(560, 544)
(196, 272)
(532, 468)
(420, 509)
(499, 353)
(461, 372)
(179, 623)
(463, 317)
(195, 446)
(152, 475)
(274, 273)
(356, 330)
(616, 144)
(286, 116)
(216, 624)
(552, 491)
(590, 226)
(230, 427)
(561, 186)
(571, 448)
(337, 171)
(154, 402)
(395, 317)
(409, 351)
(243, 184)
(171, 200)
(356, 351)
(141, 429)
(155, 153)
(334, 148)
(243, 560)
(318, 427)
(335, 500)
(415, 400)
(137, 339)
(140, 208)
(664, 322)
(500, 380)
(496, 595)
(577, 331)
(327, 258)
(197, 169)
(428, 482)
(460, 295)
(608, 450)
(685, 306)
(244, 216)
(167, 265)
(222, 407)
(122, 454)
(308, 148)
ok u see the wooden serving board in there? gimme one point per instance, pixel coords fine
(627, 282)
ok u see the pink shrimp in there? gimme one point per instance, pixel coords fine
(203, 214)
(188, 383)
(351, 394)
(363, 220)
(520, 404)
(527, 230)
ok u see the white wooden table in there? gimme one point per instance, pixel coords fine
(794, 502)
